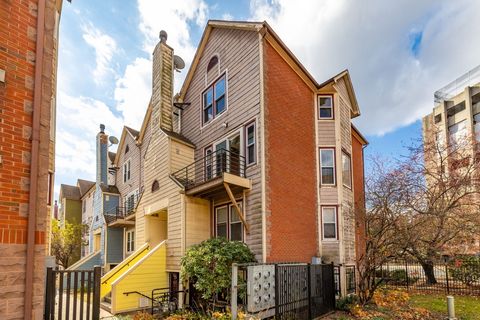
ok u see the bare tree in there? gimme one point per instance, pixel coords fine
(430, 198)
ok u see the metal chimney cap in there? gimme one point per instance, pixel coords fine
(163, 36)
(102, 128)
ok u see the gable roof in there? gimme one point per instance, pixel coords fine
(355, 112)
(126, 130)
(69, 192)
(84, 186)
(269, 35)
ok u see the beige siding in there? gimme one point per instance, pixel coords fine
(238, 53)
(134, 155)
(326, 132)
(197, 225)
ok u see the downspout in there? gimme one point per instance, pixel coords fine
(32, 200)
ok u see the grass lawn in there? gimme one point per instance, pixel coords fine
(466, 308)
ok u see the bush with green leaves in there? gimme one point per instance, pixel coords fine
(466, 270)
(209, 264)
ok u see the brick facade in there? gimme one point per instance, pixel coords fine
(18, 55)
(290, 162)
(359, 195)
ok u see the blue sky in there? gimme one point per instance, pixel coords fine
(398, 54)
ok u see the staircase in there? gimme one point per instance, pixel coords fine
(87, 262)
(120, 269)
(131, 288)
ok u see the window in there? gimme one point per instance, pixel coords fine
(208, 163)
(212, 63)
(457, 133)
(325, 107)
(251, 143)
(228, 223)
(84, 205)
(329, 223)
(155, 186)
(130, 201)
(130, 241)
(476, 126)
(126, 171)
(214, 100)
(346, 170)
(455, 109)
(127, 149)
(438, 118)
(50, 188)
(327, 166)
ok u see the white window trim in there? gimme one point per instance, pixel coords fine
(206, 124)
(336, 224)
(254, 124)
(334, 167)
(129, 164)
(131, 234)
(344, 153)
(227, 229)
(230, 207)
(332, 117)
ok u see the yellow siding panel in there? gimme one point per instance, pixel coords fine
(198, 220)
(147, 274)
(120, 269)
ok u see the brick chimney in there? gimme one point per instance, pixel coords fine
(102, 156)
(162, 85)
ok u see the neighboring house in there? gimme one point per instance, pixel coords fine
(87, 189)
(70, 205)
(253, 149)
(455, 119)
(28, 67)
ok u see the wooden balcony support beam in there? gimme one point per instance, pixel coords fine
(235, 204)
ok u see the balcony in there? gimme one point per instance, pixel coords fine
(212, 174)
(119, 217)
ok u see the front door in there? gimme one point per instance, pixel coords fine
(228, 153)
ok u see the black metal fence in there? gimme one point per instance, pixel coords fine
(72, 294)
(211, 166)
(455, 277)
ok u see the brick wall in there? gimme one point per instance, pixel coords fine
(18, 24)
(290, 162)
(359, 194)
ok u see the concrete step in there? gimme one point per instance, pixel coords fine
(107, 306)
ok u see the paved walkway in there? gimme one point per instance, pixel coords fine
(103, 313)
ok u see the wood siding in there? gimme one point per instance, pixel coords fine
(134, 154)
(238, 53)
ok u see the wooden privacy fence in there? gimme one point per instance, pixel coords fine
(72, 294)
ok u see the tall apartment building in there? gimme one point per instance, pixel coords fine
(455, 120)
(252, 148)
(28, 64)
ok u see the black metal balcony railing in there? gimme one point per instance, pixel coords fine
(211, 166)
(115, 214)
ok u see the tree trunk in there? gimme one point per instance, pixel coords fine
(429, 271)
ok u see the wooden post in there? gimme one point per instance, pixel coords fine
(234, 295)
(235, 204)
(97, 274)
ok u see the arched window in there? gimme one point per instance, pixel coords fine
(155, 186)
(212, 63)
(127, 149)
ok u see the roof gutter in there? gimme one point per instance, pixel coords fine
(32, 200)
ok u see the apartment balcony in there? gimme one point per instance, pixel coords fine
(120, 217)
(215, 173)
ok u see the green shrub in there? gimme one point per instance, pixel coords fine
(210, 265)
(345, 303)
(396, 277)
(466, 270)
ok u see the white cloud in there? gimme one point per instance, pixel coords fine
(133, 91)
(104, 46)
(227, 16)
(372, 39)
(78, 123)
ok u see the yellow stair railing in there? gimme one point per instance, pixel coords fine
(120, 269)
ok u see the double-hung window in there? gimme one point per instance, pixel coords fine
(329, 223)
(346, 170)
(126, 171)
(251, 144)
(325, 107)
(214, 99)
(228, 223)
(130, 241)
(327, 166)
